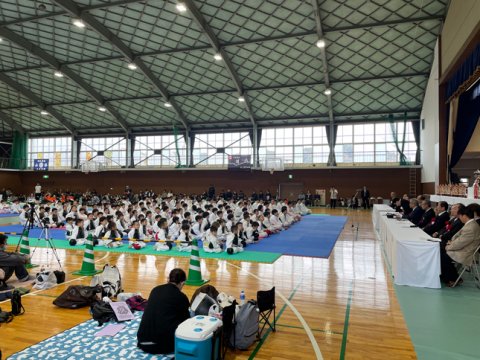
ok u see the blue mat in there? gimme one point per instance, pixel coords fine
(80, 342)
(35, 232)
(312, 236)
(9, 215)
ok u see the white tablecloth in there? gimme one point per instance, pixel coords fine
(454, 200)
(413, 259)
(379, 209)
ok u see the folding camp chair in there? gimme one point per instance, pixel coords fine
(473, 268)
(266, 306)
(229, 323)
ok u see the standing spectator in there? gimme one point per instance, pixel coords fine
(365, 194)
(211, 192)
(38, 191)
(333, 197)
(308, 198)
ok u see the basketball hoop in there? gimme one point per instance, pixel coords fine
(272, 164)
(272, 170)
(91, 166)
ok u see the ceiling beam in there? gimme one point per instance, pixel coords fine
(59, 13)
(201, 22)
(10, 122)
(117, 43)
(326, 80)
(39, 102)
(53, 62)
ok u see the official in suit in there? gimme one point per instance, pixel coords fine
(167, 308)
(428, 214)
(461, 247)
(452, 227)
(441, 219)
(365, 194)
(416, 214)
(405, 204)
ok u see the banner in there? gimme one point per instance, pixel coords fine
(88, 155)
(58, 159)
(239, 162)
(40, 164)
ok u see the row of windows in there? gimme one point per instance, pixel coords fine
(359, 143)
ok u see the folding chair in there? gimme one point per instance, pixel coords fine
(469, 267)
(266, 306)
(229, 323)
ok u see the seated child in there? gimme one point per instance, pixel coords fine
(234, 244)
(162, 235)
(211, 243)
(136, 237)
(184, 236)
(252, 233)
(78, 234)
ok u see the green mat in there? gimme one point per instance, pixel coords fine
(251, 256)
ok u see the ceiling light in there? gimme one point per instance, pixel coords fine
(58, 74)
(102, 108)
(1, 39)
(321, 43)
(181, 7)
(44, 112)
(241, 99)
(167, 104)
(218, 57)
(132, 66)
(78, 23)
(328, 92)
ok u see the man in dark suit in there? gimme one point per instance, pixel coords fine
(428, 214)
(416, 214)
(440, 220)
(167, 308)
(405, 204)
(365, 194)
(453, 225)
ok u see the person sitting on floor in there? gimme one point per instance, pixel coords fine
(186, 239)
(461, 248)
(211, 243)
(78, 234)
(167, 308)
(12, 262)
(234, 244)
(136, 237)
(162, 237)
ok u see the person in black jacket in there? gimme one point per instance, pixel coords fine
(452, 227)
(428, 215)
(167, 308)
(441, 219)
(416, 214)
(12, 262)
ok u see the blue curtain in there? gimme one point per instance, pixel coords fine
(464, 72)
(467, 118)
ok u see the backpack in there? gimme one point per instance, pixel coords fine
(77, 296)
(45, 280)
(110, 280)
(102, 312)
(208, 289)
(137, 303)
(16, 301)
(246, 328)
(5, 317)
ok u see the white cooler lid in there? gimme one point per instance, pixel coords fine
(198, 328)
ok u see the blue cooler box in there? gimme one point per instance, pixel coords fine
(193, 338)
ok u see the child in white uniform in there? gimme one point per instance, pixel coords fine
(184, 236)
(162, 234)
(210, 242)
(234, 245)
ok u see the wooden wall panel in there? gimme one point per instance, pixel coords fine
(379, 181)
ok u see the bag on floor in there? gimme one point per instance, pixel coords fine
(45, 280)
(77, 296)
(110, 280)
(16, 301)
(210, 290)
(60, 276)
(137, 303)
(246, 328)
(5, 317)
(204, 305)
(102, 312)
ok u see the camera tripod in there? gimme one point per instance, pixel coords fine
(44, 235)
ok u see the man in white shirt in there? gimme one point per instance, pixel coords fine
(38, 191)
(333, 197)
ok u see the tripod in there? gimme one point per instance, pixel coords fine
(44, 235)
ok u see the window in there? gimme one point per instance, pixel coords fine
(206, 145)
(110, 151)
(172, 151)
(58, 151)
(299, 145)
(373, 143)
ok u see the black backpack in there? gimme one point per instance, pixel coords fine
(102, 312)
(17, 307)
(77, 296)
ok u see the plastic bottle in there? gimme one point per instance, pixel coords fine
(242, 297)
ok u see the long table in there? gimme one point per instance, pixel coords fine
(454, 199)
(413, 259)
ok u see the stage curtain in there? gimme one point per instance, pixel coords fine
(18, 159)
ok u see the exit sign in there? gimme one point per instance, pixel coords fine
(45, 176)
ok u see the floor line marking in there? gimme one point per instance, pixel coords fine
(269, 330)
(328, 332)
(345, 323)
(310, 335)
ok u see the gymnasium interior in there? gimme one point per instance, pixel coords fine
(334, 110)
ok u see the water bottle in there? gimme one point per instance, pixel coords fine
(242, 297)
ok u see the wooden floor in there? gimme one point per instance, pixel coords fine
(347, 301)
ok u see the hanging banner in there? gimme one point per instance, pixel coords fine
(40, 164)
(88, 155)
(58, 159)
